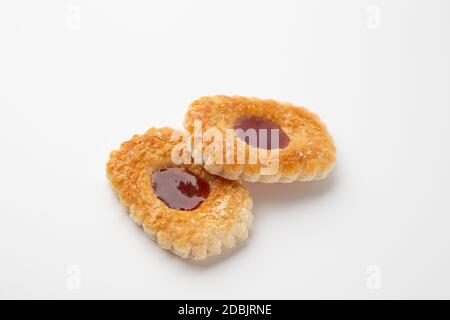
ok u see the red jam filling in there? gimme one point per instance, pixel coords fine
(263, 137)
(180, 189)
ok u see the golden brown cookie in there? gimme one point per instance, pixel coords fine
(304, 150)
(184, 208)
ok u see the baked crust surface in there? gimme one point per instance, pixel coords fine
(310, 155)
(224, 218)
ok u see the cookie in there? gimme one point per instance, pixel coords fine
(254, 140)
(184, 208)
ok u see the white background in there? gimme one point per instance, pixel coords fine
(79, 77)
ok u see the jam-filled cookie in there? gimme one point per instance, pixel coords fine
(184, 208)
(259, 140)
